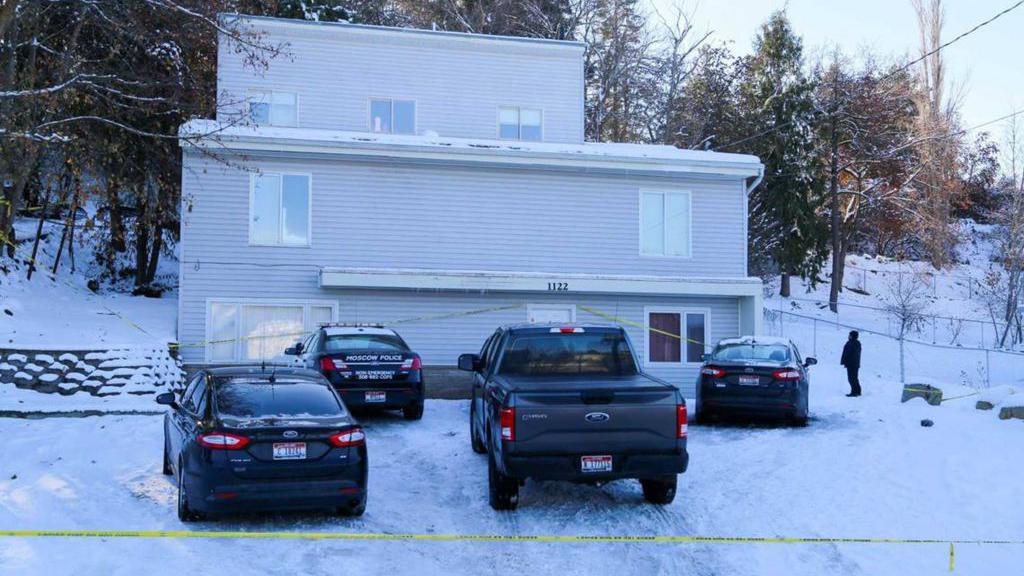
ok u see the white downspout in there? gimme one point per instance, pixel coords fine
(756, 304)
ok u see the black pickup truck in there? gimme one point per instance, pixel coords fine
(553, 402)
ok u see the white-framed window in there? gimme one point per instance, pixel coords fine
(544, 313)
(389, 116)
(273, 108)
(515, 123)
(280, 209)
(675, 335)
(666, 223)
(253, 330)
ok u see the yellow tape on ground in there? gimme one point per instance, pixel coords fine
(482, 537)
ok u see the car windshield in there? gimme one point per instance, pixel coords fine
(365, 342)
(555, 354)
(261, 400)
(752, 352)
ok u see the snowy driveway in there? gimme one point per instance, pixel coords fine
(866, 471)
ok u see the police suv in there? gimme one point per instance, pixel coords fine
(369, 365)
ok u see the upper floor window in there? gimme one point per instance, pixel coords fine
(279, 210)
(272, 108)
(665, 224)
(393, 116)
(519, 123)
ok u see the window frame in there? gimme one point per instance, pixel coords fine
(251, 92)
(519, 123)
(664, 222)
(280, 209)
(682, 311)
(391, 101)
(240, 304)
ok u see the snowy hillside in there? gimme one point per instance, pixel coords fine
(57, 311)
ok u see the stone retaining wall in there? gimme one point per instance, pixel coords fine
(94, 372)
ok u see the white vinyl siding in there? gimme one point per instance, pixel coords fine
(516, 123)
(242, 331)
(392, 116)
(666, 224)
(280, 209)
(273, 108)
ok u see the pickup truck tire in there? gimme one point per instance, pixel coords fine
(414, 412)
(474, 438)
(504, 491)
(659, 491)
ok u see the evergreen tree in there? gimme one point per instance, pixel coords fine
(779, 101)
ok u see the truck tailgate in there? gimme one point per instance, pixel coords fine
(596, 421)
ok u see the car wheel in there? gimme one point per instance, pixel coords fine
(167, 461)
(414, 412)
(354, 511)
(185, 513)
(704, 417)
(504, 491)
(474, 438)
(799, 421)
(659, 491)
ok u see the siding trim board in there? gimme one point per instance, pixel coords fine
(490, 281)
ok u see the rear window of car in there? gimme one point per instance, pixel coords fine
(754, 352)
(247, 399)
(558, 354)
(364, 342)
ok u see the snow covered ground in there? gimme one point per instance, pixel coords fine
(864, 468)
(59, 312)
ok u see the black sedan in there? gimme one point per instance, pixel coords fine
(754, 376)
(371, 366)
(266, 438)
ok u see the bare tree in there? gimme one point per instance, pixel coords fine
(906, 302)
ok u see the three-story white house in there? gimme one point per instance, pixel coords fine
(440, 182)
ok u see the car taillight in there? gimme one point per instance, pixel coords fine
(681, 421)
(222, 441)
(713, 371)
(788, 374)
(332, 364)
(353, 437)
(567, 330)
(508, 424)
(412, 364)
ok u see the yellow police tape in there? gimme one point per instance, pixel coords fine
(483, 537)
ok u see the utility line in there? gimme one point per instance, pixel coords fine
(891, 74)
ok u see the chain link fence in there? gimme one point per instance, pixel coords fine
(977, 367)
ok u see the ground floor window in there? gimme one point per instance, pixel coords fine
(675, 335)
(259, 330)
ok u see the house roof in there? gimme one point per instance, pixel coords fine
(395, 31)
(618, 157)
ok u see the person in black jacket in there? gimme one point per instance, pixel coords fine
(851, 359)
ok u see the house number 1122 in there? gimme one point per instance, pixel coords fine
(558, 286)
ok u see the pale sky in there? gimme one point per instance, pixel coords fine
(990, 61)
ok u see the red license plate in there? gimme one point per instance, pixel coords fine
(596, 464)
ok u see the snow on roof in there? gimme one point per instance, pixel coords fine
(351, 330)
(751, 340)
(210, 132)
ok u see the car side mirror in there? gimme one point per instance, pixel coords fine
(469, 362)
(810, 361)
(167, 399)
(294, 350)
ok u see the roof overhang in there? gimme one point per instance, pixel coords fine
(534, 282)
(626, 159)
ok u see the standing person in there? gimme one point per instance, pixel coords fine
(851, 359)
